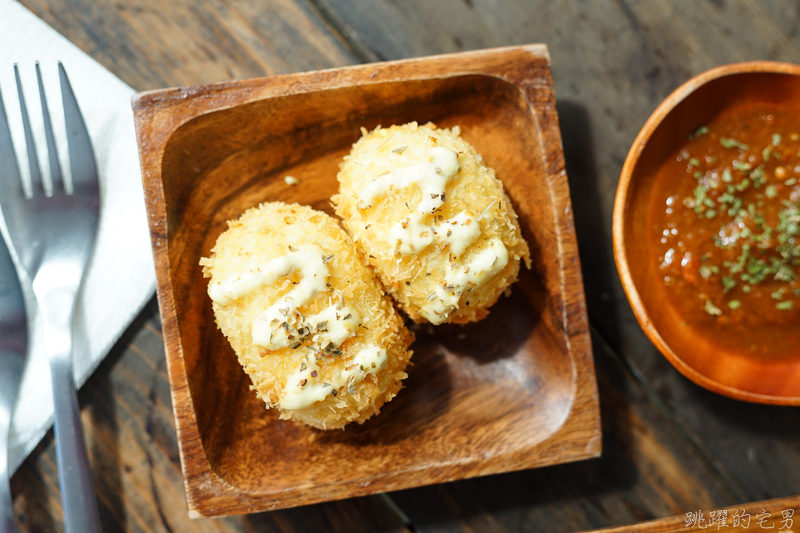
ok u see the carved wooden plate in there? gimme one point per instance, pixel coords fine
(514, 391)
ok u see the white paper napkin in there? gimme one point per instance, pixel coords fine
(121, 278)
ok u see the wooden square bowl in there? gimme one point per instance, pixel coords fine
(514, 391)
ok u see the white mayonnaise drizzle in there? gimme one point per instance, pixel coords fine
(306, 386)
(308, 260)
(413, 234)
(339, 325)
(281, 324)
(431, 174)
(461, 278)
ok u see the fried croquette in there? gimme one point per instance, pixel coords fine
(432, 219)
(306, 317)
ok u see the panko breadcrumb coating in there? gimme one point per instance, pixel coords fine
(432, 219)
(306, 317)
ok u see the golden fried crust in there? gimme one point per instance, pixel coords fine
(266, 232)
(411, 279)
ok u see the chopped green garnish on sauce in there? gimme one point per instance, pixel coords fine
(712, 309)
(707, 270)
(732, 143)
(771, 191)
(702, 130)
(758, 176)
(750, 211)
(727, 177)
(728, 282)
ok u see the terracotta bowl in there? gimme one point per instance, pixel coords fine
(516, 390)
(693, 104)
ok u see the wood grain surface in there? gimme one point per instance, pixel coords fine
(669, 445)
(778, 515)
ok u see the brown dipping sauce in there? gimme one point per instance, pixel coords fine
(725, 238)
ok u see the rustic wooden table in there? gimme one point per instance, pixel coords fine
(668, 446)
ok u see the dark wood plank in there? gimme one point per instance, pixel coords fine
(613, 62)
(133, 451)
(151, 44)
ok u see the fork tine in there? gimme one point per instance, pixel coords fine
(10, 181)
(81, 154)
(52, 155)
(33, 160)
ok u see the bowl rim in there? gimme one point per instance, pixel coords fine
(621, 211)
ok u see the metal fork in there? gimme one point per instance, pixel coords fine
(54, 236)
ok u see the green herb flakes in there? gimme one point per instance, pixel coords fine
(771, 191)
(729, 283)
(727, 177)
(712, 309)
(708, 270)
(702, 130)
(732, 143)
(758, 176)
(779, 293)
(749, 209)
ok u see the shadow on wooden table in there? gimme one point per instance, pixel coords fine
(592, 225)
